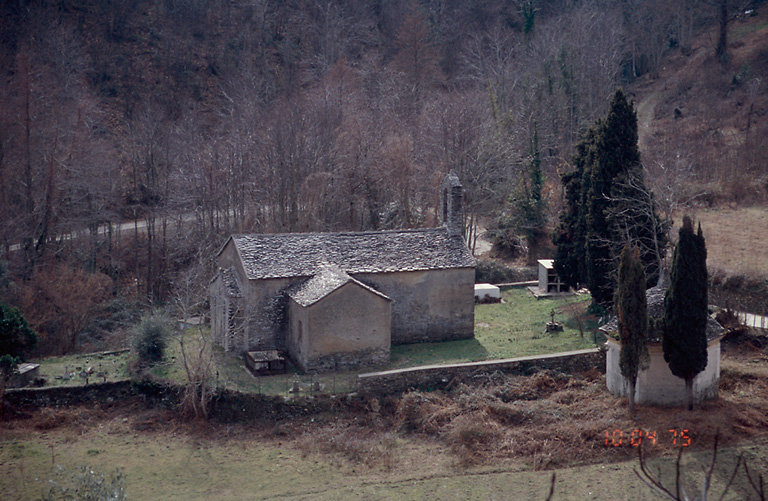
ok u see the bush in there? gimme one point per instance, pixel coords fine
(151, 337)
(16, 337)
(86, 483)
(495, 272)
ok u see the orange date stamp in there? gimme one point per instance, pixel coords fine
(635, 438)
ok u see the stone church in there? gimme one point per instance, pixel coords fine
(339, 300)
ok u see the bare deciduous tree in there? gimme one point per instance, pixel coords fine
(679, 492)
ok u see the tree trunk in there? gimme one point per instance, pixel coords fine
(632, 382)
(722, 43)
(689, 392)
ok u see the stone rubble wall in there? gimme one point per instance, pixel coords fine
(62, 396)
(441, 376)
(237, 406)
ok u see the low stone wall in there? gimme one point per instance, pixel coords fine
(236, 406)
(440, 376)
(226, 406)
(59, 396)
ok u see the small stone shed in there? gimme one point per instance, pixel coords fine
(657, 384)
(339, 300)
(487, 293)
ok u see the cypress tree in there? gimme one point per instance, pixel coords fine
(588, 239)
(615, 153)
(535, 206)
(570, 235)
(632, 311)
(685, 308)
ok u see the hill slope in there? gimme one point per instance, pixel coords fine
(703, 125)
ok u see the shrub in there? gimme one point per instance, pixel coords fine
(494, 272)
(86, 483)
(151, 337)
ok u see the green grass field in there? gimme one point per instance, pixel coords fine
(513, 328)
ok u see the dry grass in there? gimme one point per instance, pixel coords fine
(735, 239)
(545, 421)
(552, 420)
(704, 122)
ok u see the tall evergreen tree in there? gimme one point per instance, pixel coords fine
(535, 205)
(685, 308)
(588, 239)
(570, 234)
(632, 311)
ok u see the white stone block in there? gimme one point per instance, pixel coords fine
(487, 290)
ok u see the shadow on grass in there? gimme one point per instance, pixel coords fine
(408, 355)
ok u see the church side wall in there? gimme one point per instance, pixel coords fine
(298, 332)
(434, 305)
(218, 309)
(228, 258)
(226, 317)
(266, 314)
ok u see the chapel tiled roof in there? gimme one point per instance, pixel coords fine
(655, 301)
(286, 255)
(327, 280)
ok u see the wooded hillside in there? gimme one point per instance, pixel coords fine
(193, 119)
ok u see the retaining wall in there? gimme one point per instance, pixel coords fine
(226, 406)
(237, 406)
(58, 396)
(440, 376)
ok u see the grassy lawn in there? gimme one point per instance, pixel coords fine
(513, 328)
(65, 370)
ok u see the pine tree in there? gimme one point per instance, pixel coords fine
(588, 239)
(685, 308)
(631, 308)
(16, 336)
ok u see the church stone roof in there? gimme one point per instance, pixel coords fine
(327, 280)
(655, 301)
(287, 255)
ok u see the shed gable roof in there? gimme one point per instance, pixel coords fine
(284, 255)
(329, 279)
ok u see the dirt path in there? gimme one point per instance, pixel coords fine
(645, 112)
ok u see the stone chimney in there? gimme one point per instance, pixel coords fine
(451, 196)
